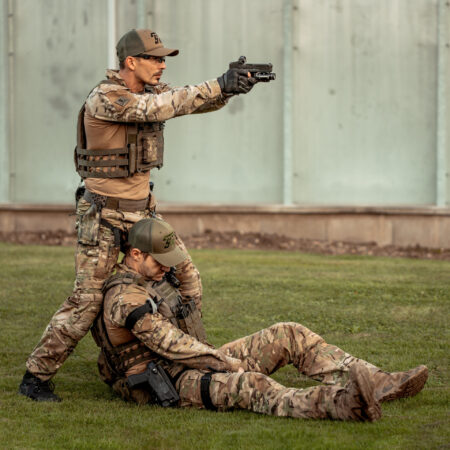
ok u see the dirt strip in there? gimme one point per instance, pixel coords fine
(255, 241)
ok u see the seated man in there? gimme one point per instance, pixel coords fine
(154, 350)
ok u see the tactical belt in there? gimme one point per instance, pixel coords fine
(102, 201)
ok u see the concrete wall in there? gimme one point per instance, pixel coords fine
(358, 115)
(426, 226)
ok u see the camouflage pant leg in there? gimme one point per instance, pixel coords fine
(259, 393)
(93, 266)
(292, 343)
(76, 315)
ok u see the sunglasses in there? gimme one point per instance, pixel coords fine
(159, 59)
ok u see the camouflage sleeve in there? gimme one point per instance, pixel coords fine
(115, 103)
(209, 106)
(162, 337)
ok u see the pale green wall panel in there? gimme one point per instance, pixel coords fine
(365, 105)
(60, 49)
(365, 99)
(443, 106)
(233, 155)
(4, 104)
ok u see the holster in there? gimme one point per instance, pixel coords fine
(156, 379)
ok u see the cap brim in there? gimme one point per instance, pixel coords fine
(170, 259)
(162, 51)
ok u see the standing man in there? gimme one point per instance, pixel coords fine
(119, 140)
(153, 350)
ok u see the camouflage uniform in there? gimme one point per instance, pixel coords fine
(109, 107)
(186, 360)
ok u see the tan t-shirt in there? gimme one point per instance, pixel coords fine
(103, 134)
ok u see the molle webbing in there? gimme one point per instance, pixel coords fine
(122, 357)
(129, 355)
(117, 166)
(123, 278)
(163, 298)
(144, 150)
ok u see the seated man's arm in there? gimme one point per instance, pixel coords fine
(162, 337)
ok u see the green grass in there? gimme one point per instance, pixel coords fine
(392, 312)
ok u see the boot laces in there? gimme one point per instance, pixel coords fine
(43, 386)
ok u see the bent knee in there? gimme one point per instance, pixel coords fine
(291, 326)
(294, 330)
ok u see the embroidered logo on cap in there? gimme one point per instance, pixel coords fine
(155, 37)
(169, 240)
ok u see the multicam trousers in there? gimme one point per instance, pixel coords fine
(93, 265)
(265, 352)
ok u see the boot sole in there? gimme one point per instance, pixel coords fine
(410, 387)
(23, 390)
(371, 410)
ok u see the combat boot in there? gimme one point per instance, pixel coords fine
(356, 400)
(390, 386)
(36, 389)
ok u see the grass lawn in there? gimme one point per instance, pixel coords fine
(391, 312)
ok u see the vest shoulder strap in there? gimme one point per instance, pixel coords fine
(81, 134)
(122, 278)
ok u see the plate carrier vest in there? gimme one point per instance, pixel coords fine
(164, 298)
(144, 149)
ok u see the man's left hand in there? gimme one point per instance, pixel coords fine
(236, 81)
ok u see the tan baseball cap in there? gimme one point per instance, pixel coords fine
(156, 237)
(136, 42)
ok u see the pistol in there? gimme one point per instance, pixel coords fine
(160, 385)
(260, 72)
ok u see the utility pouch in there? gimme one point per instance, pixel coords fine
(159, 383)
(153, 147)
(190, 315)
(88, 226)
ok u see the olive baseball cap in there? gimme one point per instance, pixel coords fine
(136, 42)
(156, 237)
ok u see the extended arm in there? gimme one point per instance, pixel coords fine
(117, 104)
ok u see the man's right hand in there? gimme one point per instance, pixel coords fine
(236, 81)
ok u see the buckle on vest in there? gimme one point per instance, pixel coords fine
(184, 309)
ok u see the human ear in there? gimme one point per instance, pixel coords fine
(135, 253)
(130, 62)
